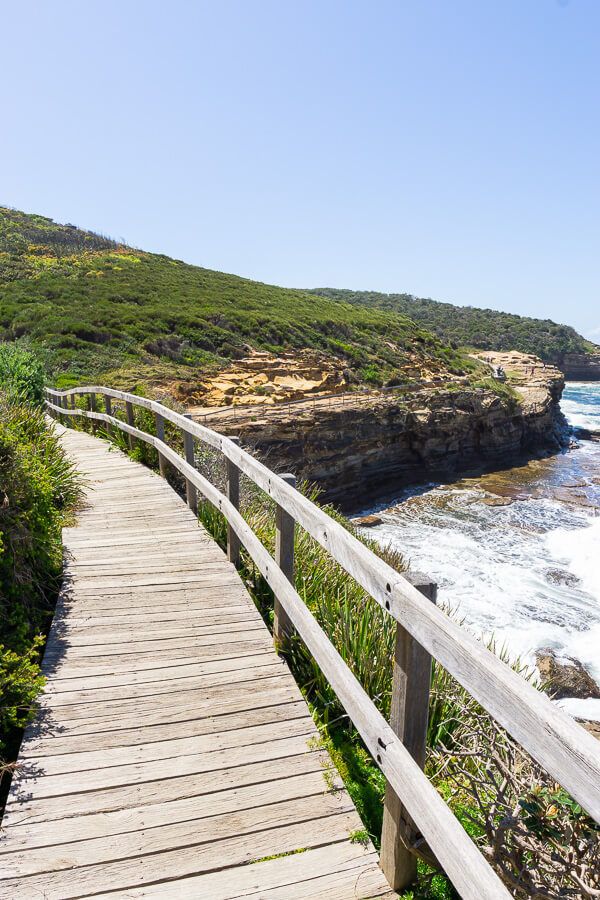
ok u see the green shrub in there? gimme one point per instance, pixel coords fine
(38, 489)
(21, 372)
(469, 326)
(20, 683)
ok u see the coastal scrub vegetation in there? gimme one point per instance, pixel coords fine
(38, 489)
(105, 310)
(468, 326)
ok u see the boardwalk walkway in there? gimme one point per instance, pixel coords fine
(173, 755)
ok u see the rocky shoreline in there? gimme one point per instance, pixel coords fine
(565, 679)
(356, 450)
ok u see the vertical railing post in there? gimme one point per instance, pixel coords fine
(130, 421)
(191, 494)
(285, 527)
(160, 434)
(409, 716)
(108, 411)
(73, 401)
(233, 495)
(92, 408)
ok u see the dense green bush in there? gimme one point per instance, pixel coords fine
(468, 326)
(38, 489)
(21, 372)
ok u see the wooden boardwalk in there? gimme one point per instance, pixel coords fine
(173, 755)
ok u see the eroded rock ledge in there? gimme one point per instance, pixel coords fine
(358, 448)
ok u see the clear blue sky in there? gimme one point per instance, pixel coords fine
(449, 148)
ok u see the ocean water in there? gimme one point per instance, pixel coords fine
(516, 554)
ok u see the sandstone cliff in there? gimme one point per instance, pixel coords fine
(580, 366)
(356, 448)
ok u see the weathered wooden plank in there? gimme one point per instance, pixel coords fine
(177, 863)
(67, 667)
(159, 598)
(92, 577)
(179, 709)
(155, 815)
(124, 582)
(195, 833)
(340, 871)
(156, 688)
(142, 560)
(79, 619)
(239, 738)
(114, 636)
(152, 646)
(165, 542)
(112, 709)
(56, 743)
(138, 773)
(29, 811)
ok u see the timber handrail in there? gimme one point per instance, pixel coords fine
(553, 739)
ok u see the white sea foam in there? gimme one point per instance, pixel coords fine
(581, 405)
(492, 565)
(581, 709)
(579, 549)
(578, 418)
(529, 573)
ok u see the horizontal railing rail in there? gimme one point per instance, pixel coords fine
(562, 747)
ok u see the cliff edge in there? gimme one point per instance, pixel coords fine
(357, 447)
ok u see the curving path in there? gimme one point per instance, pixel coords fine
(173, 755)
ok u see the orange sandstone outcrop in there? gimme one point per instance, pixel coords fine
(359, 446)
(264, 379)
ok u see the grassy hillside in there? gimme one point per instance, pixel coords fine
(103, 309)
(468, 326)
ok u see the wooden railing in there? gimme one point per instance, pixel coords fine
(554, 740)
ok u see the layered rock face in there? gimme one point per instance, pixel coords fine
(580, 366)
(359, 448)
(263, 379)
